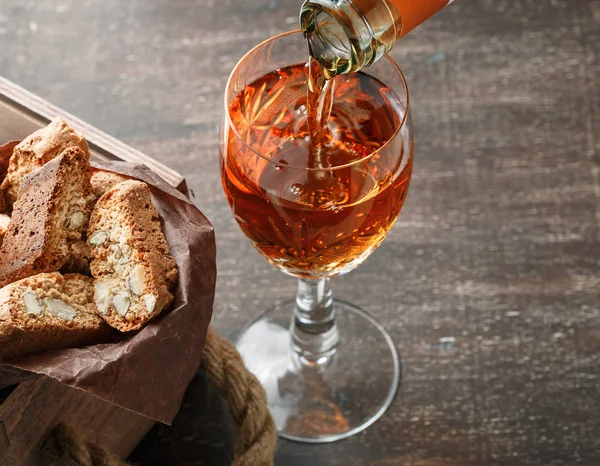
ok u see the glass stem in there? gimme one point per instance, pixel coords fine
(314, 332)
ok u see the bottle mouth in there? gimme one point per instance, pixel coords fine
(333, 37)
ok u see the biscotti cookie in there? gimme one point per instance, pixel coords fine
(49, 311)
(51, 213)
(131, 264)
(4, 220)
(103, 180)
(35, 151)
(79, 259)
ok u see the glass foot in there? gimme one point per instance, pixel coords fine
(334, 399)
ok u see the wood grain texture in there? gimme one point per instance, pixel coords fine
(498, 246)
(36, 406)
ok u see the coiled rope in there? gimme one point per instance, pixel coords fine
(255, 445)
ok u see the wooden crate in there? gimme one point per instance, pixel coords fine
(30, 409)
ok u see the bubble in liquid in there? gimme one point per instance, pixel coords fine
(297, 189)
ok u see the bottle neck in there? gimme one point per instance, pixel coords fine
(347, 35)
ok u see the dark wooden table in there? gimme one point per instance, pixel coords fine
(490, 281)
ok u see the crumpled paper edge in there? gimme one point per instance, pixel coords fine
(147, 372)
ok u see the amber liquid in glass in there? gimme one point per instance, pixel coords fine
(326, 219)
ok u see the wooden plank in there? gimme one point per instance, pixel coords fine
(497, 246)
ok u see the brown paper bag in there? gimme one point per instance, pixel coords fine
(149, 370)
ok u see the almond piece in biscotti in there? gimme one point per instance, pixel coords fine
(4, 221)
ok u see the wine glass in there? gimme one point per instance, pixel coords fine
(328, 367)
